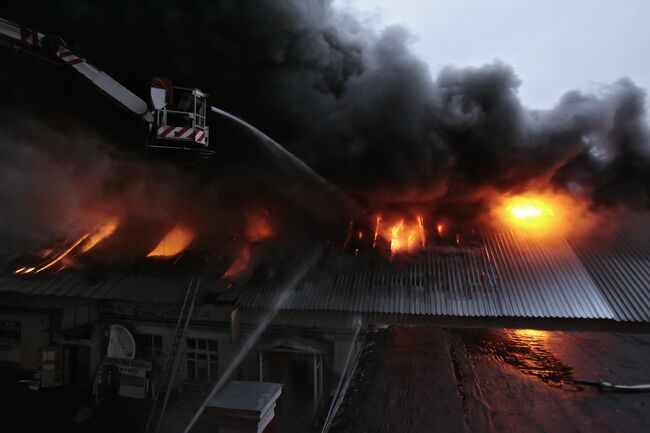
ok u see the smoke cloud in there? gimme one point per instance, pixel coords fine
(354, 103)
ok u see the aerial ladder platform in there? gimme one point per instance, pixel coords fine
(175, 116)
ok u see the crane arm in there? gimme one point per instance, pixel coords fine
(22, 38)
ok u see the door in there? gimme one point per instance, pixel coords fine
(76, 368)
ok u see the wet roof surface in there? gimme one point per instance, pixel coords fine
(497, 274)
(620, 268)
(423, 379)
(492, 274)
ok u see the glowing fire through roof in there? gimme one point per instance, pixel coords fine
(174, 242)
(82, 245)
(544, 213)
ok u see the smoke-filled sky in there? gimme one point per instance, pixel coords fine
(352, 99)
(553, 45)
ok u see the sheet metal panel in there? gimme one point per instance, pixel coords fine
(620, 267)
(543, 277)
(507, 274)
(148, 289)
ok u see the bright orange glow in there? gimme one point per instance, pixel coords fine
(24, 270)
(240, 264)
(258, 228)
(63, 255)
(527, 211)
(102, 232)
(404, 237)
(81, 245)
(396, 237)
(374, 239)
(440, 229)
(532, 334)
(173, 243)
(540, 213)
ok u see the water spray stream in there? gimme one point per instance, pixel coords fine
(278, 150)
(346, 376)
(289, 286)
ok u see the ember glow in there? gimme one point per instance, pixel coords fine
(258, 227)
(24, 270)
(174, 242)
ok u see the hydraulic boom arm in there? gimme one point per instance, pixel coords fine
(22, 38)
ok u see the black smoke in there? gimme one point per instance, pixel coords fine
(354, 103)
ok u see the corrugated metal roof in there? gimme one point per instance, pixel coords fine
(498, 274)
(505, 274)
(620, 267)
(133, 288)
(542, 278)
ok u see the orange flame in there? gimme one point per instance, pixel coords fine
(374, 239)
(258, 228)
(174, 242)
(404, 237)
(102, 232)
(240, 264)
(83, 244)
(543, 213)
(63, 255)
(423, 238)
(397, 237)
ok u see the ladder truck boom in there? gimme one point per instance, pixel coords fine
(22, 38)
(176, 116)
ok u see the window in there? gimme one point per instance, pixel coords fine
(148, 344)
(9, 334)
(202, 359)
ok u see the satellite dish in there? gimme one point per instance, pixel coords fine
(120, 343)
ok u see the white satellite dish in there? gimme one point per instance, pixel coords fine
(120, 343)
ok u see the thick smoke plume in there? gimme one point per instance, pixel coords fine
(354, 103)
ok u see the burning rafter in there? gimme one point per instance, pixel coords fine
(82, 245)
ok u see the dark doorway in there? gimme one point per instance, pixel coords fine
(76, 366)
(294, 411)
